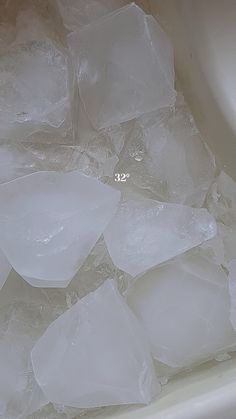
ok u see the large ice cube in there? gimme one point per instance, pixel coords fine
(123, 73)
(166, 156)
(95, 355)
(5, 269)
(35, 95)
(184, 309)
(145, 233)
(50, 221)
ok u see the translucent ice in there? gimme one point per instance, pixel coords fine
(35, 94)
(5, 269)
(165, 155)
(119, 72)
(184, 309)
(76, 13)
(94, 355)
(49, 222)
(146, 233)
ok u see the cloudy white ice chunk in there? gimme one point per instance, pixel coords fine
(50, 221)
(184, 309)
(146, 233)
(95, 354)
(138, 63)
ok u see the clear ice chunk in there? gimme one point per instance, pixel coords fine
(95, 355)
(50, 221)
(123, 73)
(35, 92)
(146, 233)
(5, 269)
(166, 156)
(184, 309)
(77, 13)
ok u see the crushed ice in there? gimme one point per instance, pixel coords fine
(117, 239)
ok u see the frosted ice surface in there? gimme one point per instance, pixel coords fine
(50, 221)
(165, 155)
(19, 392)
(76, 13)
(5, 269)
(184, 309)
(35, 84)
(119, 72)
(95, 355)
(146, 233)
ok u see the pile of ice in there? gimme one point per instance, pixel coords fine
(117, 240)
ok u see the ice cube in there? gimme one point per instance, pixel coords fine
(146, 233)
(184, 309)
(95, 355)
(166, 156)
(123, 74)
(76, 13)
(49, 222)
(5, 269)
(35, 92)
